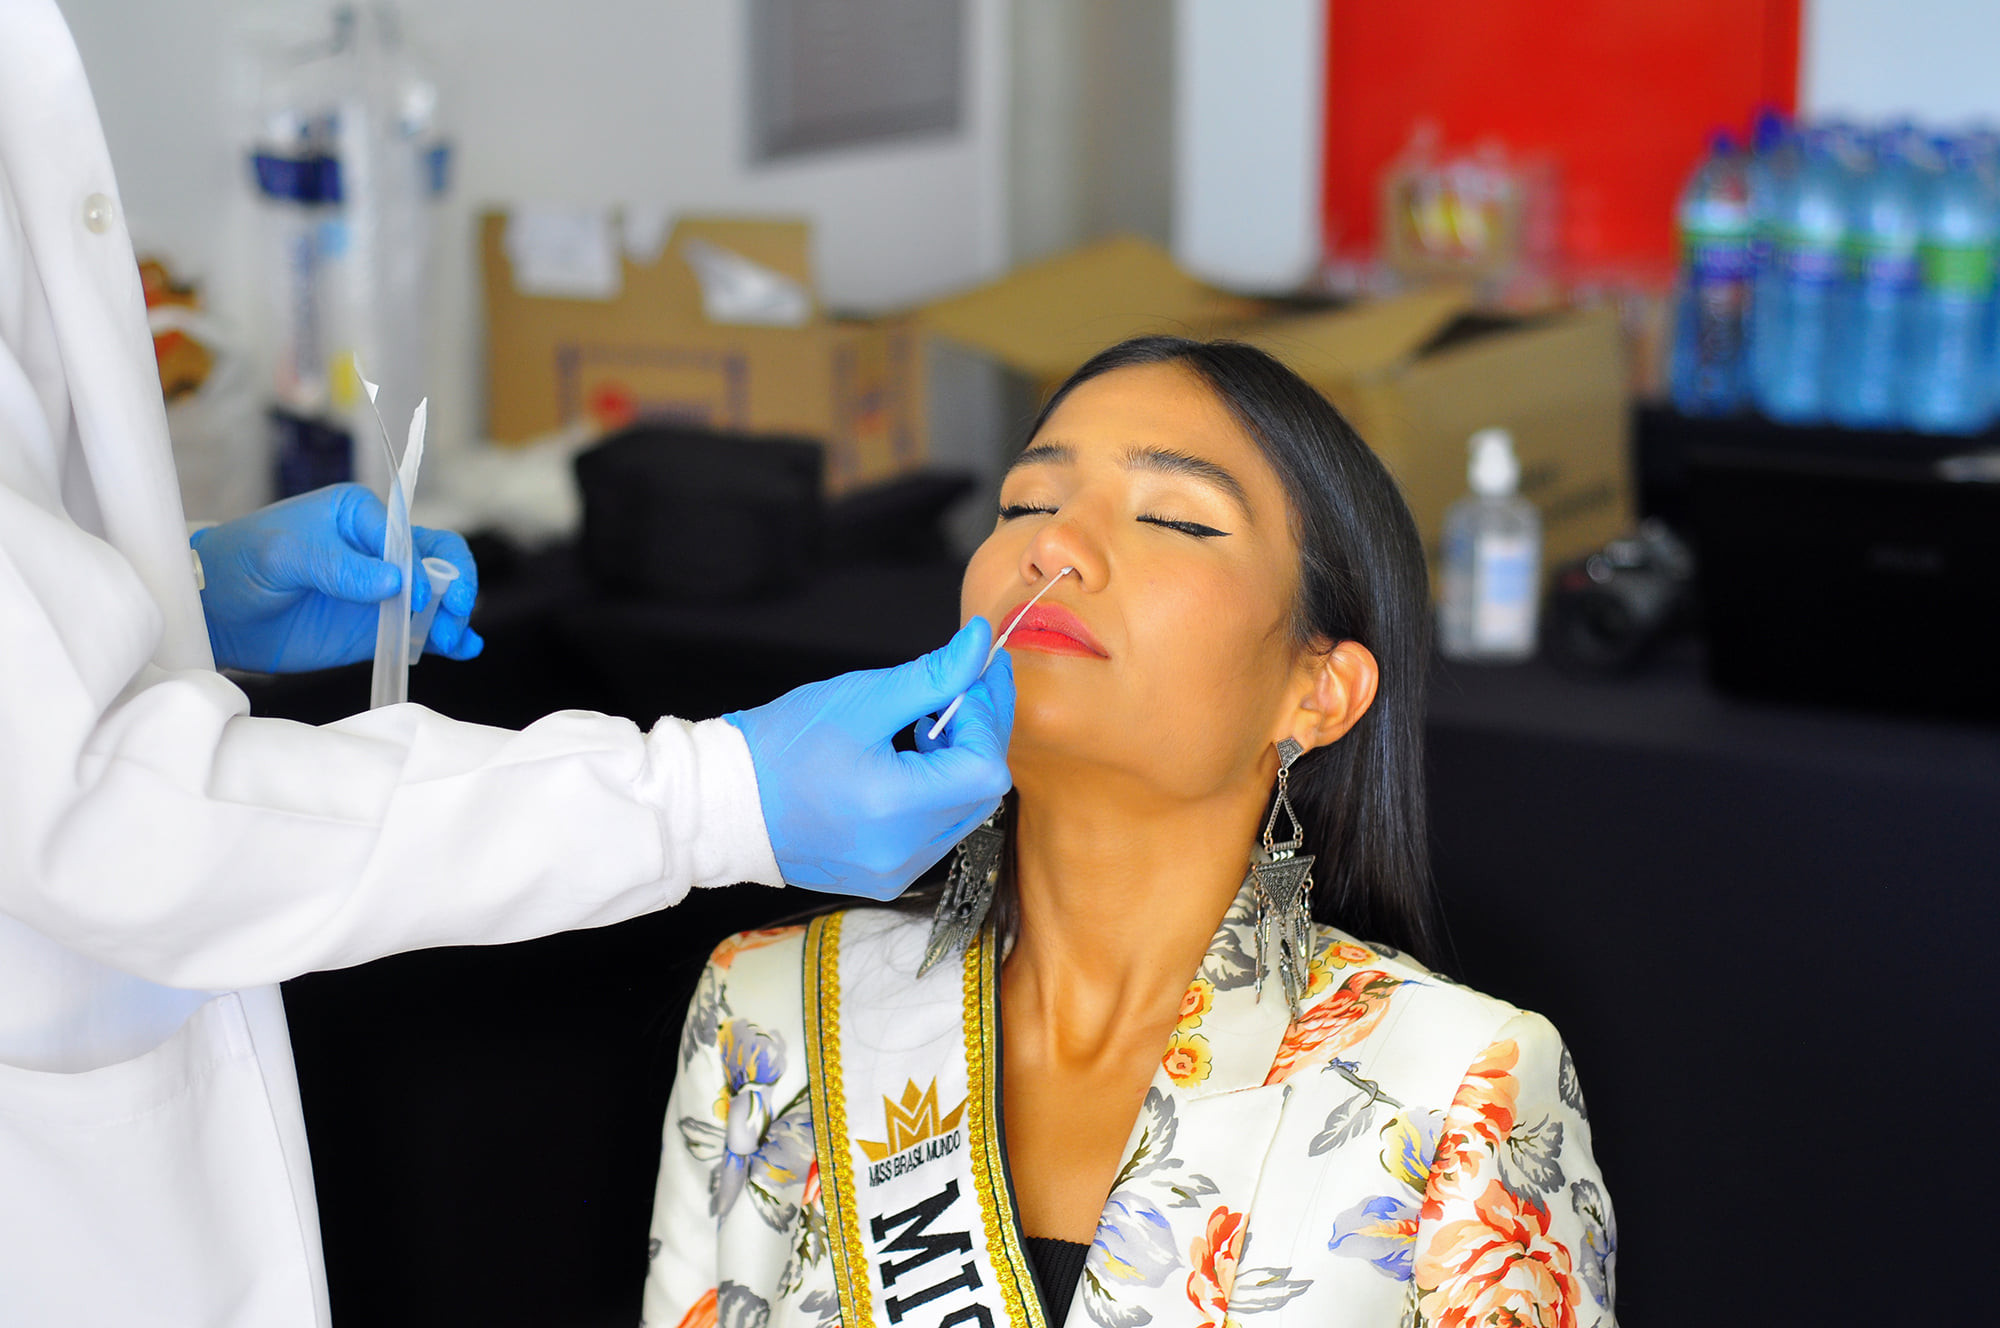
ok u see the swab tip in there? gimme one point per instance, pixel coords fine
(993, 652)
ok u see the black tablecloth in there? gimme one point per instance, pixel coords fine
(1767, 937)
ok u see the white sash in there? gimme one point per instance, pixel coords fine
(906, 1120)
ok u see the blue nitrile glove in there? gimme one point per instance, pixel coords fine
(847, 812)
(294, 586)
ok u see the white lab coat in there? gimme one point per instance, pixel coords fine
(165, 859)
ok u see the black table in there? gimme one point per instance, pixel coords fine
(1763, 932)
(1767, 937)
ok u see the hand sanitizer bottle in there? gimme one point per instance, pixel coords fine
(1492, 561)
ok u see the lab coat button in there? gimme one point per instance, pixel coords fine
(97, 213)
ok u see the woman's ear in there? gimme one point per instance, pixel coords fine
(1339, 686)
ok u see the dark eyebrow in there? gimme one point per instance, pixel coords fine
(1169, 462)
(1044, 454)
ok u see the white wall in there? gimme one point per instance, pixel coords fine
(1936, 60)
(1092, 123)
(1047, 171)
(1250, 98)
(578, 101)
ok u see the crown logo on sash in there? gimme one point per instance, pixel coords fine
(912, 1121)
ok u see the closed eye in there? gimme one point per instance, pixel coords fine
(1194, 528)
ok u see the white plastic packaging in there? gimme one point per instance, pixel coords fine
(1491, 605)
(348, 161)
(219, 452)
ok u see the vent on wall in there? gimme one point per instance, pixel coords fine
(837, 73)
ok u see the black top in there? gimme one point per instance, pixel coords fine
(1058, 1264)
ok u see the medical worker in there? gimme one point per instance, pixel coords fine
(165, 859)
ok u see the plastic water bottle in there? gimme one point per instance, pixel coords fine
(1716, 233)
(1492, 561)
(1773, 162)
(1984, 142)
(1949, 365)
(1795, 305)
(291, 169)
(1769, 174)
(1871, 328)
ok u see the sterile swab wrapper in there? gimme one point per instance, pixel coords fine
(391, 682)
(999, 644)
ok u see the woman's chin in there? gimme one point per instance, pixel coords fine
(1047, 756)
(1036, 751)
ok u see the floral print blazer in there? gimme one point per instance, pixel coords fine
(1405, 1152)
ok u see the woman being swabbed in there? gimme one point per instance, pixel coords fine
(1206, 1108)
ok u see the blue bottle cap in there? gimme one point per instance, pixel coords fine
(1769, 130)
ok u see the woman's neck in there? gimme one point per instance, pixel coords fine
(1119, 899)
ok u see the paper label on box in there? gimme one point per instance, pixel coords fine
(645, 232)
(565, 253)
(736, 290)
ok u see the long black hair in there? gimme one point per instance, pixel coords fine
(1361, 578)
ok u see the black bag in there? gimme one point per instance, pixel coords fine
(677, 513)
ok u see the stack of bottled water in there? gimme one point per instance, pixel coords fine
(1839, 274)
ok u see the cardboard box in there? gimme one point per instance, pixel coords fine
(652, 351)
(1418, 374)
(993, 354)
(1044, 320)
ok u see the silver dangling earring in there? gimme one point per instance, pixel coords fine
(1283, 879)
(968, 892)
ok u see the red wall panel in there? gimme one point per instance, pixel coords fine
(1622, 92)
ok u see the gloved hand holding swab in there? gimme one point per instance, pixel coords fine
(999, 644)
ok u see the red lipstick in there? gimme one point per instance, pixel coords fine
(1053, 629)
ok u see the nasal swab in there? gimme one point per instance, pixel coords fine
(999, 644)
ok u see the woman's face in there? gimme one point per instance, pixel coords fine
(1167, 655)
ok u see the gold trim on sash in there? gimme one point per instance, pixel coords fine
(989, 1152)
(829, 1105)
(1005, 1253)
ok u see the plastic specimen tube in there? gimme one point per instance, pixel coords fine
(440, 574)
(999, 644)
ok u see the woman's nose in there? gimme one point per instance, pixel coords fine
(1064, 540)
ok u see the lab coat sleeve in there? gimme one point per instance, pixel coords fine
(147, 821)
